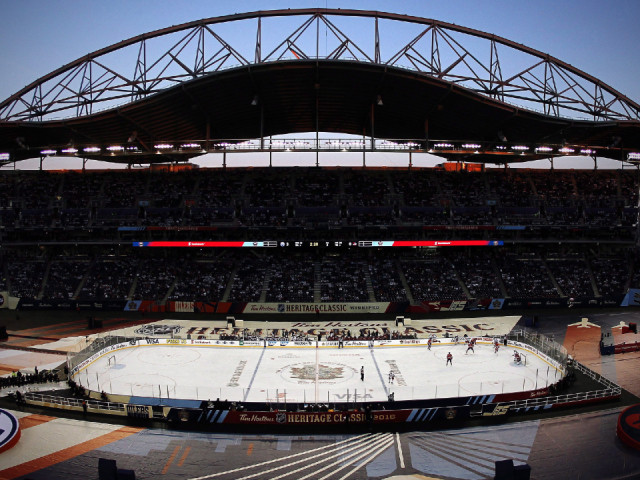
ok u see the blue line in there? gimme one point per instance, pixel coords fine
(386, 392)
(246, 394)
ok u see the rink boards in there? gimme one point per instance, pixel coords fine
(282, 371)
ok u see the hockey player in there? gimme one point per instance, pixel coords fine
(470, 346)
(449, 359)
(392, 377)
(456, 339)
(429, 343)
(496, 347)
(362, 373)
(516, 358)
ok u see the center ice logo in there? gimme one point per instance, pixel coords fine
(326, 372)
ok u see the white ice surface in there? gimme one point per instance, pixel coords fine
(289, 374)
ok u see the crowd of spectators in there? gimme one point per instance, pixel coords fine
(386, 282)
(291, 279)
(572, 275)
(351, 275)
(280, 203)
(18, 379)
(432, 279)
(281, 197)
(343, 280)
(526, 276)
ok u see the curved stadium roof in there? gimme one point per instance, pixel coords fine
(417, 83)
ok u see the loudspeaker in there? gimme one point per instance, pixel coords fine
(107, 469)
(504, 470)
(126, 474)
(522, 472)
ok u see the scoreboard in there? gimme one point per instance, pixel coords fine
(327, 244)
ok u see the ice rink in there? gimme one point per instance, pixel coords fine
(288, 374)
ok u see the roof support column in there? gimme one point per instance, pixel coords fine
(373, 121)
(364, 150)
(638, 214)
(317, 126)
(261, 126)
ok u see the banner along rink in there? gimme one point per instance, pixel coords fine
(172, 369)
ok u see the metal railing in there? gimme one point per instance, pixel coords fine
(73, 402)
(611, 390)
(544, 344)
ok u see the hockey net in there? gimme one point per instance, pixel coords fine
(523, 359)
(111, 360)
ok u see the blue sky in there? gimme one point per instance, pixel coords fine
(600, 38)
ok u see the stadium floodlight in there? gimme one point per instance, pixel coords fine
(443, 145)
(520, 148)
(587, 151)
(544, 149)
(115, 148)
(4, 157)
(69, 150)
(190, 145)
(471, 146)
(500, 147)
(163, 146)
(48, 152)
(91, 149)
(566, 150)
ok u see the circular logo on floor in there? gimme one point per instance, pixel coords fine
(9, 430)
(328, 372)
(629, 426)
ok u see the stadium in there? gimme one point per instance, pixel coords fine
(167, 305)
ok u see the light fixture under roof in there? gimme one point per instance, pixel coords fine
(634, 156)
(443, 145)
(48, 152)
(163, 146)
(520, 148)
(587, 151)
(115, 148)
(566, 150)
(69, 150)
(471, 146)
(91, 149)
(544, 149)
(4, 157)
